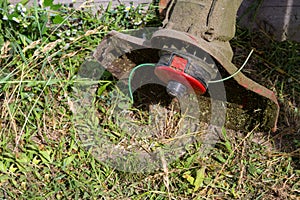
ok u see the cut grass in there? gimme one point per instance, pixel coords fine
(41, 156)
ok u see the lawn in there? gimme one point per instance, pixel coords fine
(42, 155)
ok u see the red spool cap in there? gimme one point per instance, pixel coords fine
(175, 72)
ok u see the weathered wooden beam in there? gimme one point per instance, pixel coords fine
(280, 18)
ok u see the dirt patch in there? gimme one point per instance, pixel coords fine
(245, 110)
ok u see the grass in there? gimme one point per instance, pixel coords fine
(41, 155)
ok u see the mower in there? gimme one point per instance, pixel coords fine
(190, 57)
(193, 47)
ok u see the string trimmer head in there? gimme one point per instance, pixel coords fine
(184, 73)
(191, 50)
